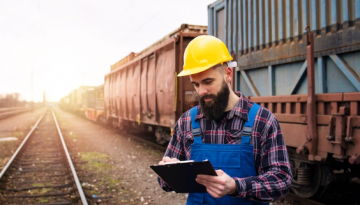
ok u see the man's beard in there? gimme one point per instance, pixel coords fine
(213, 110)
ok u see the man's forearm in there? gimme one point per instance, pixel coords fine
(267, 187)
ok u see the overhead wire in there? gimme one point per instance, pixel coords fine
(140, 27)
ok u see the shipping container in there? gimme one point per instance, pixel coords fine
(146, 91)
(268, 39)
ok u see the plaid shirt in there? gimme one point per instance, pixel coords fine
(270, 154)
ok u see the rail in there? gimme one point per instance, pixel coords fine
(78, 185)
(20, 147)
(24, 152)
(5, 113)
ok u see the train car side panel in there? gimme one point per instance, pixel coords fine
(143, 88)
(136, 91)
(118, 94)
(165, 84)
(123, 93)
(130, 91)
(150, 92)
(107, 95)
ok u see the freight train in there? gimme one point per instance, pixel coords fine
(143, 89)
(308, 79)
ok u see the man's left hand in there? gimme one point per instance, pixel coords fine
(217, 186)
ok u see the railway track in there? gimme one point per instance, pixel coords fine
(8, 112)
(41, 170)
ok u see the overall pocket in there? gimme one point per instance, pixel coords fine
(223, 159)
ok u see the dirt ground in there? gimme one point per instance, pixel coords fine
(113, 165)
(15, 127)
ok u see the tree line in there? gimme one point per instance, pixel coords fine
(12, 100)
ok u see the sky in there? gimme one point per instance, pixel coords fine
(58, 45)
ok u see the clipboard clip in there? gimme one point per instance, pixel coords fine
(179, 162)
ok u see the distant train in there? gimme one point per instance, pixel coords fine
(87, 101)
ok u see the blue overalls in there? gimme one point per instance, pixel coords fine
(236, 160)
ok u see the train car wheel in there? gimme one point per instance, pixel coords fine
(310, 180)
(162, 135)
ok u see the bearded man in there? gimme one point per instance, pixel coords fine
(241, 139)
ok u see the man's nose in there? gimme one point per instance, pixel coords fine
(202, 90)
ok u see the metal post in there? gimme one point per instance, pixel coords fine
(32, 91)
(311, 137)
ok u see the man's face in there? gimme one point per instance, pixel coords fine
(213, 92)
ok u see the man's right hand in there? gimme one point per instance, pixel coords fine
(167, 159)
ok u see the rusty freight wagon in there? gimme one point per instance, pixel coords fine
(309, 80)
(143, 89)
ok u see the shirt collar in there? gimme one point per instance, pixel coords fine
(241, 109)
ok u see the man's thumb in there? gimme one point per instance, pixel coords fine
(220, 172)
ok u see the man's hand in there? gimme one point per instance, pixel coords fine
(217, 186)
(167, 159)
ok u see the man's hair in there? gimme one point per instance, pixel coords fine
(220, 67)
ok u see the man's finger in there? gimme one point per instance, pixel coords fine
(219, 172)
(166, 159)
(214, 179)
(214, 192)
(210, 184)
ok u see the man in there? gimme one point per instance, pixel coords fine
(241, 139)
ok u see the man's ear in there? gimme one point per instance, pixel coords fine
(228, 74)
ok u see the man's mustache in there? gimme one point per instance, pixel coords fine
(207, 96)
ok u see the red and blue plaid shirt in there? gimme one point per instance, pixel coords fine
(270, 154)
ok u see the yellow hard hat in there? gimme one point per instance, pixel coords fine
(204, 52)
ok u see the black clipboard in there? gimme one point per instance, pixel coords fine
(181, 176)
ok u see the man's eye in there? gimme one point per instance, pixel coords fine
(208, 82)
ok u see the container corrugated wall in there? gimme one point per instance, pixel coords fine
(267, 38)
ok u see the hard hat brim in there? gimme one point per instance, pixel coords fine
(201, 69)
(193, 71)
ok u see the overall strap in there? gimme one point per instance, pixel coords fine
(248, 127)
(196, 129)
